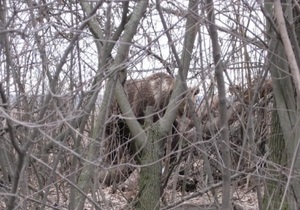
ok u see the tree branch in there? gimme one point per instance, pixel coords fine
(184, 65)
(226, 197)
(287, 44)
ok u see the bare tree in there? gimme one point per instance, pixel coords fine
(72, 136)
(284, 68)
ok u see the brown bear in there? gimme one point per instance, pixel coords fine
(154, 90)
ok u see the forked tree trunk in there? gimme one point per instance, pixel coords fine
(151, 167)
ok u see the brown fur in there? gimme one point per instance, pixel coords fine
(247, 93)
(154, 90)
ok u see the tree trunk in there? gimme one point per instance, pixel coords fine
(285, 80)
(274, 189)
(84, 179)
(151, 167)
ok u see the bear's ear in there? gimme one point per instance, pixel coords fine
(195, 91)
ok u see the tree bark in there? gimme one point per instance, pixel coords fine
(151, 167)
(274, 188)
(286, 86)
